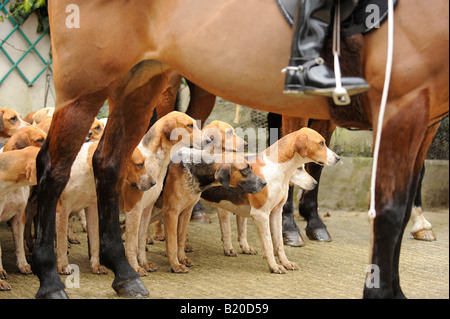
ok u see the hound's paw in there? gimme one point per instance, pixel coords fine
(230, 252)
(151, 267)
(249, 251)
(4, 286)
(278, 269)
(179, 269)
(64, 270)
(99, 270)
(291, 266)
(141, 271)
(25, 269)
(186, 261)
(74, 240)
(2, 274)
(188, 248)
(159, 236)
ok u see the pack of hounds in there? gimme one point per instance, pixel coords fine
(165, 177)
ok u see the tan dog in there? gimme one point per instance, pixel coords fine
(223, 138)
(185, 182)
(10, 122)
(277, 164)
(301, 179)
(156, 146)
(17, 171)
(24, 137)
(80, 193)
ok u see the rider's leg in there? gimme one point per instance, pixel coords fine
(307, 72)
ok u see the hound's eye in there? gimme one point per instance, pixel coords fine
(13, 119)
(140, 166)
(245, 171)
(230, 132)
(191, 126)
(41, 140)
(322, 143)
(97, 128)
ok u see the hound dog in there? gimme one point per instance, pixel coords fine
(156, 146)
(195, 172)
(24, 137)
(276, 165)
(17, 170)
(80, 193)
(301, 179)
(10, 122)
(223, 138)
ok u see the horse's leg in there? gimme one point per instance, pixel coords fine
(421, 229)
(402, 142)
(291, 232)
(131, 110)
(201, 103)
(308, 205)
(53, 165)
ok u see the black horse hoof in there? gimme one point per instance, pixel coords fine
(131, 288)
(293, 238)
(319, 234)
(60, 294)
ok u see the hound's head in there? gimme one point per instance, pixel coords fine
(223, 137)
(10, 122)
(136, 175)
(24, 137)
(311, 145)
(239, 174)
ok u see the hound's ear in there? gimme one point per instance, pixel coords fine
(301, 145)
(223, 174)
(30, 172)
(168, 128)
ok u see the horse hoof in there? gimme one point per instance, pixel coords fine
(319, 234)
(60, 294)
(131, 288)
(426, 234)
(293, 238)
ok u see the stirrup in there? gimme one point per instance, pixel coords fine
(340, 94)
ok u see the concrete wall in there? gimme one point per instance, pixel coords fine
(346, 186)
(14, 92)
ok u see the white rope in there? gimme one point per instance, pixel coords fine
(387, 80)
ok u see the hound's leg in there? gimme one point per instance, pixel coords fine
(91, 213)
(277, 237)
(131, 110)
(261, 219)
(142, 240)
(404, 133)
(62, 261)
(69, 128)
(242, 236)
(183, 223)
(225, 229)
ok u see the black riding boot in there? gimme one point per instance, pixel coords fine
(307, 72)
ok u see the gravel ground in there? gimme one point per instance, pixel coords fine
(333, 270)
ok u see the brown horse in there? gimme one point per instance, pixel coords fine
(123, 51)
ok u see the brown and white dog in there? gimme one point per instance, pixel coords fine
(17, 172)
(301, 179)
(194, 172)
(10, 122)
(24, 137)
(80, 193)
(276, 165)
(156, 146)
